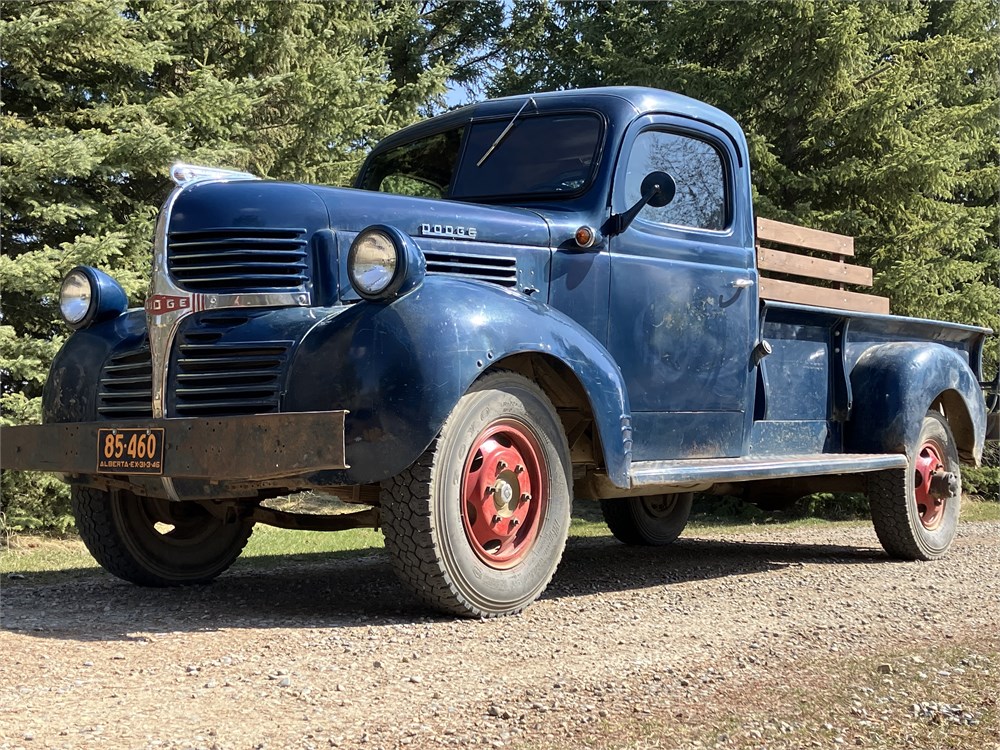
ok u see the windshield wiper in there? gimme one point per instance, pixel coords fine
(506, 130)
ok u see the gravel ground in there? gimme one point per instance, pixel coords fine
(679, 647)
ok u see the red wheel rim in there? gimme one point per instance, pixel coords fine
(930, 508)
(504, 493)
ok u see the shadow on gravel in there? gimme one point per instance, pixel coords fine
(322, 591)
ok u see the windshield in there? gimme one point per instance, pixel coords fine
(541, 155)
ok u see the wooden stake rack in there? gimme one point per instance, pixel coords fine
(806, 253)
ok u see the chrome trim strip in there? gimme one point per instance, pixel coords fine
(682, 471)
(162, 326)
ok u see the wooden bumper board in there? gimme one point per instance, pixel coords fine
(259, 446)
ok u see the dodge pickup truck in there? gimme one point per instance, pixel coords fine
(521, 304)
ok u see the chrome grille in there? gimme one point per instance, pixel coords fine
(219, 378)
(126, 387)
(245, 260)
(502, 271)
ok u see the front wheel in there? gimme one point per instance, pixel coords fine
(477, 525)
(915, 512)
(153, 542)
(651, 520)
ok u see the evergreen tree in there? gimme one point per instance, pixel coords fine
(877, 119)
(101, 96)
(460, 36)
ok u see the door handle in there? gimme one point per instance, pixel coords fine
(741, 283)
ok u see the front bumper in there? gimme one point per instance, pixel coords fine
(251, 448)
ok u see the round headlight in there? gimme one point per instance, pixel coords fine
(372, 263)
(76, 297)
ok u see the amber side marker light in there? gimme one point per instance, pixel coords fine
(585, 236)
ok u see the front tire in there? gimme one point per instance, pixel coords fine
(153, 542)
(477, 525)
(915, 512)
(650, 520)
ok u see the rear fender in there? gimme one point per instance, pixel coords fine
(401, 367)
(894, 385)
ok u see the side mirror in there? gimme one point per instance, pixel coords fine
(660, 187)
(657, 188)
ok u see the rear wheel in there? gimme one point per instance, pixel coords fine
(477, 525)
(915, 512)
(651, 520)
(154, 542)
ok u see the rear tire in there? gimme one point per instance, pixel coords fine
(477, 525)
(911, 523)
(154, 542)
(650, 520)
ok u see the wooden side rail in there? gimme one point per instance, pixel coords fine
(772, 261)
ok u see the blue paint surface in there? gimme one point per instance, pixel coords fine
(657, 323)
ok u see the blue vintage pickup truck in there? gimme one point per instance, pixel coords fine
(523, 303)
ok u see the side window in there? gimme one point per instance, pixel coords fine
(404, 184)
(697, 168)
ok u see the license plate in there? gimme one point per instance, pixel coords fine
(131, 451)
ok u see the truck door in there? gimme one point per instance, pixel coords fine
(683, 318)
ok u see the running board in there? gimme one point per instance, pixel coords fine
(714, 470)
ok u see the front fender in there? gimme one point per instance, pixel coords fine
(895, 384)
(71, 389)
(401, 367)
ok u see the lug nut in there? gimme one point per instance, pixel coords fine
(518, 469)
(501, 465)
(525, 497)
(514, 522)
(496, 520)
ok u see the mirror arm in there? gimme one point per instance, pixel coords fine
(618, 223)
(657, 188)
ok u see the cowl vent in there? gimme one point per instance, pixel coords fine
(489, 268)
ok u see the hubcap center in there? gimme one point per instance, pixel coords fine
(943, 484)
(504, 496)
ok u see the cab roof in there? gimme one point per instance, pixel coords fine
(615, 102)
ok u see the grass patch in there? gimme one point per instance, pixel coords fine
(271, 542)
(50, 558)
(980, 510)
(28, 553)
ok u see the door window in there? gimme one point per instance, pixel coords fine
(698, 171)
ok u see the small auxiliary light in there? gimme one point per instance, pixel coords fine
(585, 236)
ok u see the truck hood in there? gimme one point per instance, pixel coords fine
(264, 204)
(261, 237)
(352, 210)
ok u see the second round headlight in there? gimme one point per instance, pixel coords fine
(373, 262)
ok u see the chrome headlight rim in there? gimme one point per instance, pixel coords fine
(383, 290)
(106, 299)
(92, 295)
(411, 266)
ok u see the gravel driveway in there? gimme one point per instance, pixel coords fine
(626, 644)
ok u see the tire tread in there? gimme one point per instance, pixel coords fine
(406, 517)
(96, 525)
(889, 515)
